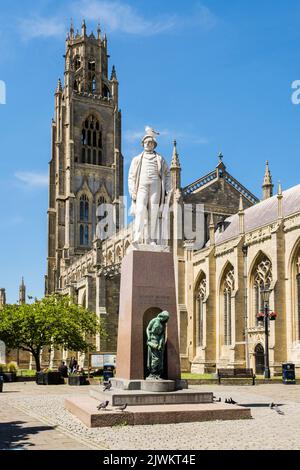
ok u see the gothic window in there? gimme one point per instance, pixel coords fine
(262, 278)
(84, 235)
(84, 209)
(92, 75)
(101, 200)
(91, 142)
(297, 299)
(77, 63)
(228, 288)
(105, 91)
(200, 298)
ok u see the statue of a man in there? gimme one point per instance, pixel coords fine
(148, 184)
(156, 338)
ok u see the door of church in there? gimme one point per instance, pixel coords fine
(259, 359)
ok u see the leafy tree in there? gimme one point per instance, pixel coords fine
(55, 321)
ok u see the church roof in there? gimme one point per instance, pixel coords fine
(219, 172)
(261, 214)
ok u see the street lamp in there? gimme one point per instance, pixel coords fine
(266, 296)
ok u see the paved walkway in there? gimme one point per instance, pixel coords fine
(33, 417)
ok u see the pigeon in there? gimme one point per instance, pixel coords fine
(107, 387)
(231, 401)
(122, 407)
(151, 131)
(217, 400)
(275, 407)
(103, 405)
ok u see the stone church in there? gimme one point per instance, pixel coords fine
(246, 244)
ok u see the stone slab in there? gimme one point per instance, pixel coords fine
(125, 384)
(85, 408)
(158, 385)
(134, 398)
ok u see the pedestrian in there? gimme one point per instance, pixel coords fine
(63, 369)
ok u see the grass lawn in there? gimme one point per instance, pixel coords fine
(188, 375)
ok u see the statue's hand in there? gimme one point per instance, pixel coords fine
(133, 197)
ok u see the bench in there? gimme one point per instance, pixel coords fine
(236, 374)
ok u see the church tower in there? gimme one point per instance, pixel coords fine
(22, 293)
(86, 167)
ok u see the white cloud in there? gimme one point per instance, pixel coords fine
(119, 16)
(41, 27)
(116, 16)
(32, 179)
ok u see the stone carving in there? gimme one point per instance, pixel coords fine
(156, 332)
(148, 184)
(201, 294)
(263, 274)
(229, 281)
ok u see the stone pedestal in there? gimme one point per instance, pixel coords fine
(147, 288)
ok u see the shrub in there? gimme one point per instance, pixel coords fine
(2, 367)
(12, 366)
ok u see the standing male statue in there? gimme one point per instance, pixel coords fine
(149, 184)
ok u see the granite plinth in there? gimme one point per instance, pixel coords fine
(139, 397)
(147, 288)
(86, 410)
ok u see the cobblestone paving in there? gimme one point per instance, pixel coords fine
(267, 429)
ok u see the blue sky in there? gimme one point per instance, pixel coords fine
(216, 75)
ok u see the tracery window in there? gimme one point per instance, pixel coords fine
(84, 209)
(228, 288)
(77, 62)
(200, 298)
(92, 75)
(91, 142)
(262, 280)
(298, 298)
(84, 235)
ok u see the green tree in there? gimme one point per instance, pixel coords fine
(55, 321)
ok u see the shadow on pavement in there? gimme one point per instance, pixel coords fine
(257, 405)
(15, 435)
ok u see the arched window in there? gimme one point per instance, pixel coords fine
(101, 200)
(298, 304)
(84, 209)
(92, 75)
(227, 289)
(91, 142)
(84, 235)
(77, 62)
(262, 279)
(296, 277)
(105, 91)
(81, 233)
(200, 298)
